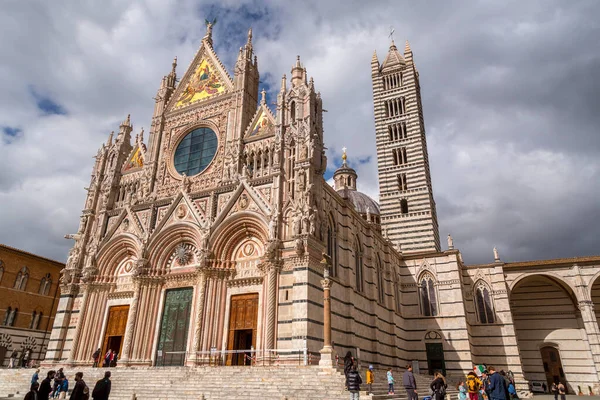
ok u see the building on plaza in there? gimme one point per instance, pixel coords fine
(208, 237)
(28, 301)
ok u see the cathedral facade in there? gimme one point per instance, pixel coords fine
(208, 237)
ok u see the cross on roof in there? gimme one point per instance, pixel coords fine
(391, 35)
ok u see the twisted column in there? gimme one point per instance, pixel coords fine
(77, 334)
(271, 306)
(131, 319)
(200, 296)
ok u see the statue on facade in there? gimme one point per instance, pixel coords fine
(496, 256)
(299, 246)
(273, 226)
(368, 214)
(312, 228)
(450, 242)
(296, 224)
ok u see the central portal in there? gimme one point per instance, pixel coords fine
(172, 342)
(243, 320)
(115, 330)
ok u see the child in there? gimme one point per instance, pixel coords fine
(512, 391)
(63, 389)
(462, 391)
(390, 380)
(370, 379)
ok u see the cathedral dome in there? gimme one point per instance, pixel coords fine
(344, 179)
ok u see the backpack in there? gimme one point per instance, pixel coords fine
(86, 393)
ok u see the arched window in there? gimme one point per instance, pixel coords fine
(1, 270)
(358, 267)
(7, 315)
(380, 282)
(332, 246)
(12, 317)
(21, 280)
(33, 316)
(483, 303)
(292, 111)
(428, 296)
(45, 284)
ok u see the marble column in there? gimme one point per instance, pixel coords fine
(130, 328)
(77, 334)
(327, 350)
(199, 309)
(271, 306)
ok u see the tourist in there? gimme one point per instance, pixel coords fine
(114, 357)
(408, 380)
(438, 387)
(63, 389)
(497, 386)
(473, 385)
(462, 391)
(96, 357)
(107, 358)
(13, 358)
(102, 388)
(390, 379)
(33, 392)
(80, 391)
(46, 386)
(25, 360)
(353, 382)
(35, 377)
(554, 390)
(58, 378)
(562, 391)
(485, 385)
(348, 362)
(370, 379)
(512, 392)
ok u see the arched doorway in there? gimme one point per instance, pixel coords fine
(552, 365)
(546, 318)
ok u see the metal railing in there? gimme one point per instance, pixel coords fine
(252, 357)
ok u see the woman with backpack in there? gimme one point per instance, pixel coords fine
(438, 387)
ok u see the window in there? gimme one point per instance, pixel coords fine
(398, 297)
(402, 182)
(404, 206)
(292, 111)
(428, 296)
(37, 320)
(33, 316)
(380, 282)
(483, 302)
(45, 284)
(195, 151)
(1, 270)
(21, 280)
(11, 316)
(7, 315)
(358, 268)
(332, 247)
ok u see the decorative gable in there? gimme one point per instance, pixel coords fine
(135, 160)
(263, 123)
(205, 78)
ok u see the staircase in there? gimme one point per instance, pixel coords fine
(380, 387)
(232, 383)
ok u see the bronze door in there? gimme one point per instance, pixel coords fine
(243, 320)
(115, 329)
(553, 366)
(172, 342)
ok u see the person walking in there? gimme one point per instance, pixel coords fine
(473, 385)
(370, 379)
(96, 357)
(554, 390)
(497, 386)
(107, 358)
(409, 383)
(33, 392)
(348, 362)
(562, 390)
(390, 379)
(353, 382)
(25, 360)
(58, 378)
(81, 390)
(35, 377)
(462, 391)
(102, 388)
(438, 387)
(46, 386)
(13, 358)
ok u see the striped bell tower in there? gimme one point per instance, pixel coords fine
(405, 194)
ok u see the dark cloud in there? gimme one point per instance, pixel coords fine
(510, 94)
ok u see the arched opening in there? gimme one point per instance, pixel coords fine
(484, 304)
(546, 317)
(292, 111)
(428, 295)
(358, 267)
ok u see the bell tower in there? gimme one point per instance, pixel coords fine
(405, 193)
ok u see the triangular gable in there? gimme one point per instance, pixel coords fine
(127, 222)
(182, 209)
(263, 123)
(393, 59)
(206, 77)
(236, 199)
(135, 160)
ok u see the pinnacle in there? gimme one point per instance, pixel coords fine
(407, 48)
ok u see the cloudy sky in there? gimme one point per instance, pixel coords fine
(511, 96)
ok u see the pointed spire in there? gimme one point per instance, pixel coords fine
(298, 65)
(127, 121)
(249, 43)
(141, 136)
(374, 59)
(110, 138)
(407, 48)
(393, 46)
(311, 83)
(174, 65)
(263, 98)
(283, 83)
